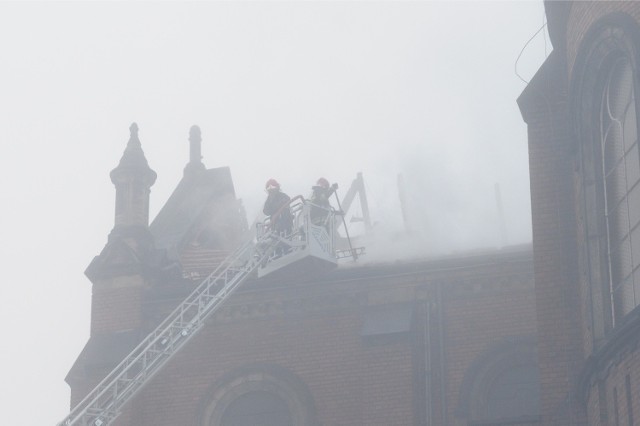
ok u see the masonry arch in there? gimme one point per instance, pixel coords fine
(259, 395)
(502, 385)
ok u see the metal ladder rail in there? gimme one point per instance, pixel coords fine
(103, 404)
(163, 341)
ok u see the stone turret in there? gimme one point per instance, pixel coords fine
(121, 275)
(129, 261)
(133, 179)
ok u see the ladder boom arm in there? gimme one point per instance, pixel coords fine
(104, 403)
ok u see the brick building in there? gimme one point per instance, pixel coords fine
(458, 340)
(581, 113)
(443, 341)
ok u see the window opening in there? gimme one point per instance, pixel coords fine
(615, 406)
(621, 185)
(257, 408)
(627, 385)
(514, 394)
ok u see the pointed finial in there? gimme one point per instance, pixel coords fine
(133, 155)
(133, 137)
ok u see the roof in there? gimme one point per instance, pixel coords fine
(186, 205)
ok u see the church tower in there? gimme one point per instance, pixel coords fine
(123, 271)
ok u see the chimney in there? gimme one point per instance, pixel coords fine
(195, 164)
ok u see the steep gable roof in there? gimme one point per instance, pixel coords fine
(175, 222)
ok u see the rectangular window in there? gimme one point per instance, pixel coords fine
(602, 402)
(627, 385)
(615, 407)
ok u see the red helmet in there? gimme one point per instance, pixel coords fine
(323, 183)
(272, 184)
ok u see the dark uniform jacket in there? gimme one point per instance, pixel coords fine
(284, 220)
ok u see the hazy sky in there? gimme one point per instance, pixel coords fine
(291, 90)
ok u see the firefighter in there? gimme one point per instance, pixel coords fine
(277, 208)
(320, 205)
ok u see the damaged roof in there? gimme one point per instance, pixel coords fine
(187, 204)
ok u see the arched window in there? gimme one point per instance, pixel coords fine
(603, 90)
(259, 395)
(513, 393)
(502, 386)
(620, 164)
(257, 408)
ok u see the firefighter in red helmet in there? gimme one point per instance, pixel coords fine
(277, 207)
(320, 205)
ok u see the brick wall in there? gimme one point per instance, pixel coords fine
(481, 312)
(352, 383)
(545, 110)
(568, 357)
(116, 305)
(304, 340)
(313, 332)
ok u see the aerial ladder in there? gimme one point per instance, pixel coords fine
(268, 252)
